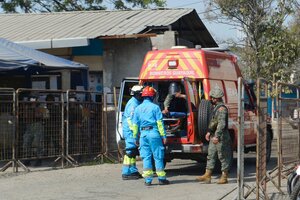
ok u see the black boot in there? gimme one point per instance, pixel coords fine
(129, 177)
(137, 174)
(163, 182)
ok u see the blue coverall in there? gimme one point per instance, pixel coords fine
(147, 120)
(129, 162)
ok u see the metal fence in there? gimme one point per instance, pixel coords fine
(39, 132)
(263, 92)
(287, 129)
(84, 118)
(109, 126)
(38, 125)
(288, 105)
(7, 123)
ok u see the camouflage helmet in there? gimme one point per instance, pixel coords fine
(216, 93)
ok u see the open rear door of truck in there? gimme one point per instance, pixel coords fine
(192, 101)
(124, 96)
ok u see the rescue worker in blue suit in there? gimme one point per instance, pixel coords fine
(129, 169)
(149, 128)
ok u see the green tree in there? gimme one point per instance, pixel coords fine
(29, 6)
(267, 44)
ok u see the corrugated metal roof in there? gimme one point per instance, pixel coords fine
(90, 24)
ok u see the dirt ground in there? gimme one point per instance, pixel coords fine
(103, 181)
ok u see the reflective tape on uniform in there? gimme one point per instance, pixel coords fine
(147, 173)
(130, 124)
(161, 173)
(161, 128)
(132, 161)
(127, 160)
(135, 130)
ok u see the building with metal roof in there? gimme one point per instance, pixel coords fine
(104, 24)
(112, 43)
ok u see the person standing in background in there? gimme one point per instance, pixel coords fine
(129, 169)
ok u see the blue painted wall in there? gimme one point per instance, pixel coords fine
(95, 48)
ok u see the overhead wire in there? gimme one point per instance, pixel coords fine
(199, 13)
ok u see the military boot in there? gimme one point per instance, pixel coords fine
(224, 177)
(206, 178)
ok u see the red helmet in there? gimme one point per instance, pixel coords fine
(148, 92)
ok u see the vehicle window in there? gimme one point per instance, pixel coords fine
(191, 93)
(231, 92)
(201, 91)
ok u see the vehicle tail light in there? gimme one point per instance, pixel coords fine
(196, 149)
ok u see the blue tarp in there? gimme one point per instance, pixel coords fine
(19, 59)
(14, 56)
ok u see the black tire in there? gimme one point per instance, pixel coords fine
(296, 192)
(290, 181)
(269, 146)
(204, 116)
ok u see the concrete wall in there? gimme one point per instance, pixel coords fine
(124, 57)
(95, 63)
(164, 41)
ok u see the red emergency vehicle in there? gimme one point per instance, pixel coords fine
(197, 71)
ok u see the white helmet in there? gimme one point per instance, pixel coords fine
(136, 89)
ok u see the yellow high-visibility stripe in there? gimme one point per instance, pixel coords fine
(162, 63)
(182, 64)
(147, 173)
(135, 130)
(161, 128)
(130, 124)
(200, 59)
(132, 161)
(194, 65)
(126, 160)
(161, 173)
(148, 68)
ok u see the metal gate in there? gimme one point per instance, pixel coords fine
(262, 92)
(288, 108)
(84, 124)
(38, 125)
(286, 125)
(7, 126)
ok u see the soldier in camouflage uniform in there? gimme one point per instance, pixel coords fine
(219, 139)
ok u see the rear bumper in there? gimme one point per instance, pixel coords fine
(187, 148)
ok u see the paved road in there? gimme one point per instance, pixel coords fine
(103, 181)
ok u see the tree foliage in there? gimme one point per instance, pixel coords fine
(29, 6)
(269, 48)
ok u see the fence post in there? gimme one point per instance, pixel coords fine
(240, 153)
